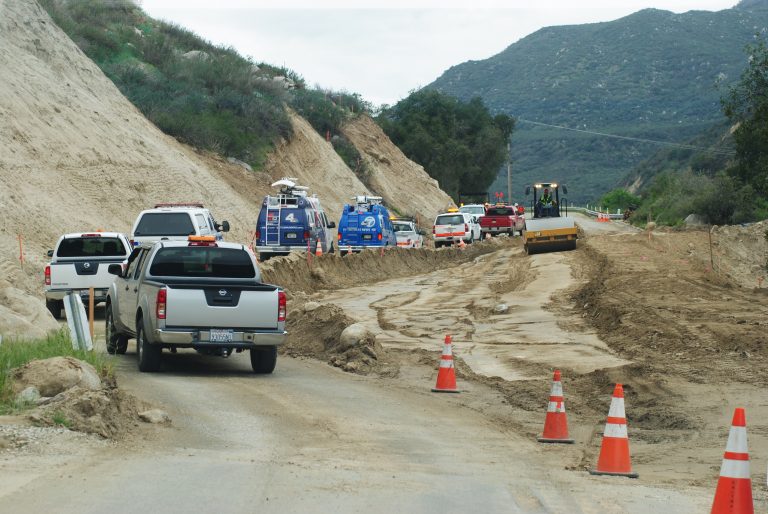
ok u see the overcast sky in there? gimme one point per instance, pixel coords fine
(383, 50)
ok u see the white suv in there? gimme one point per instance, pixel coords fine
(454, 226)
(175, 222)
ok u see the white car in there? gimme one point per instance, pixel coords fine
(175, 222)
(477, 210)
(454, 226)
(408, 236)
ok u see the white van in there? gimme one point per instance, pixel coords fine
(175, 222)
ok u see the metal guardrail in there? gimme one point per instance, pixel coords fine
(77, 321)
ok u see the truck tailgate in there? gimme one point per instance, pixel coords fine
(82, 274)
(250, 307)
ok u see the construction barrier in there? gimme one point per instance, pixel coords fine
(614, 451)
(446, 374)
(556, 422)
(734, 487)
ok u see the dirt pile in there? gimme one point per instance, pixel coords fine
(69, 392)
(325, 332)
(22, 316)
(332, 271)
(402, 183)
(107, 412)
(741, 253)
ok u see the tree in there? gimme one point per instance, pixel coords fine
(620, 199)
(459, 144)
(746, 105)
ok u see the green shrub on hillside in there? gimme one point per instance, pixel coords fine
(215, 100)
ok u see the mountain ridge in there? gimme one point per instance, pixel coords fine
(652, 75)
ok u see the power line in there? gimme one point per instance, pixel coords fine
(628, 138)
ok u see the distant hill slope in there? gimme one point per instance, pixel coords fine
(650, 75)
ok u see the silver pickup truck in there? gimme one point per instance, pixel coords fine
(202, 294)
(79, 262)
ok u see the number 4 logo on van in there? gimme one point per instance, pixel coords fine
(291, 218)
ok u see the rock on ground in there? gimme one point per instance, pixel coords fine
(23, 316)
(55, 375)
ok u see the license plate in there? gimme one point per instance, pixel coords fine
(367, 237)
(290, 235)
(221, 335)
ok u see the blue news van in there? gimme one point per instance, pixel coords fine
(365, 224)
(291, 221)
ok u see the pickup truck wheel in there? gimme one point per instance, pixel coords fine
(54, 306)
(149, 355)
(263, 360)
(263, 257)
(116, 342)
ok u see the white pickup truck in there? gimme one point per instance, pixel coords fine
(202, 294)
(79, 262)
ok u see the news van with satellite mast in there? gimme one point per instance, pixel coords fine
(292, 221)
(365, 224)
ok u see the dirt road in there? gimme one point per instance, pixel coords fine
(312, 438)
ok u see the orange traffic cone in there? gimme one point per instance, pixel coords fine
(462, 244)
(446, 375)
(556, 423)
(319, 249)
(734, 487)
(614, 452)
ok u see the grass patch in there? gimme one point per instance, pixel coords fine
(17, 353)
(60, 419)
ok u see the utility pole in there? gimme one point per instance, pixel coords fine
(509, 172)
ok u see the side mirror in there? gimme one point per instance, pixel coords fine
(115, 269)
(50, 253)
(331, 224)
(527, 190)
(565, 189)
(224, 226)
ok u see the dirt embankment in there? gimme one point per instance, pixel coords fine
(332, 271)
(75, 155)
(402, 183)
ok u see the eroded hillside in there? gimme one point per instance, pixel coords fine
(76, 155)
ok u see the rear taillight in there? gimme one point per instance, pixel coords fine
(306, 234)
(258, 234)
(162, 297)
(338, 236)
(433, 230)
(282, 301)
(47, 275)
(466, 227)
(379, 236)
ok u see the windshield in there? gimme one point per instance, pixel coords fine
(165, 224)
(402, 227)
(473, 209)
(91, 247)
(202, 261)
(450, 219)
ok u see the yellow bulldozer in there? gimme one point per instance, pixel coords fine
(550, 229)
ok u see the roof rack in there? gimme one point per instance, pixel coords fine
(367, 200)
(181, 204)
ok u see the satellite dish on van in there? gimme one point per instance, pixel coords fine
(284, 182)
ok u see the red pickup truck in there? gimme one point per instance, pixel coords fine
(502, 219)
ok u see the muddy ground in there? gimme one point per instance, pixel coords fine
(687, 341)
